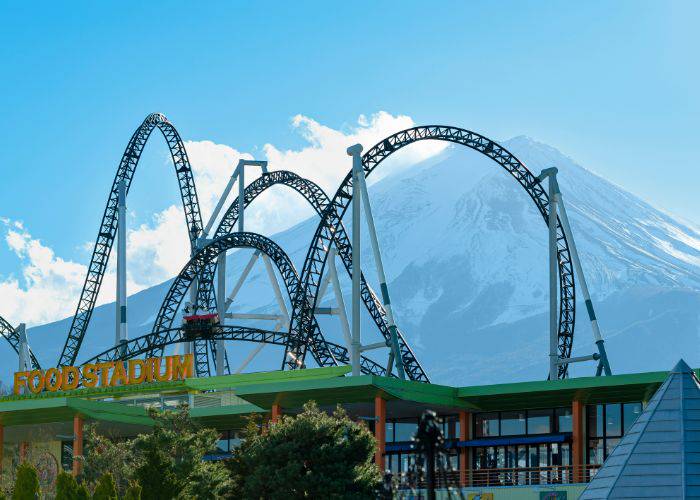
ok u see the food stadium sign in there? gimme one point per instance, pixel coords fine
(107, 374)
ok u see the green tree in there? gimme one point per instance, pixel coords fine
(26, 484)
(107, 456)
(83, 492)
(312, 455)
(106, 488)
(66, 487)
(133, 492)
(169, 459)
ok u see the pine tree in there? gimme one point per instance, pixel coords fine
(26, 484)
(66, 487)
(169, 459)
(133, 492)
(106, 489)
(83, 492)
(312, 455)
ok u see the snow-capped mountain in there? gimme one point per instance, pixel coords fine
(465, 252)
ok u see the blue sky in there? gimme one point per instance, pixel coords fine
(612, 84)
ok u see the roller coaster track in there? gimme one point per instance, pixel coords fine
(12, 337)
(304, 302)
(197, 266)
(108, 226)
(145, 344)
(318, 199)
(325, 353)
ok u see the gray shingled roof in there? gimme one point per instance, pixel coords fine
(659, 457)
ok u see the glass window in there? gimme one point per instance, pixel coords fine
(389, 432)
(480, 458)
(564, 420)
(544, 455)
(486, 424)
(539, 421)
(512, 423)
(222, 443)
(66, 455)
(613, 420)
(610, 446)
(404, 431)
(510, 456)
(595, 451)
(630, 412)
(534, 456)
(522, 456)
(595, 421)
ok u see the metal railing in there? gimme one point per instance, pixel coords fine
(512, 476)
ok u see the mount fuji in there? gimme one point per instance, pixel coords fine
(465, 252)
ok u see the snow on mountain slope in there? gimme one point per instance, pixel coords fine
(466, 257)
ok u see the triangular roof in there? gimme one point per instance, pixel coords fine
(659, 457)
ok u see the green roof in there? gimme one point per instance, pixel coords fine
(39, 411)
(541, 394)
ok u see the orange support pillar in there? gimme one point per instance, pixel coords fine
(463, 456)
(276, 413)
(578, 440)
(77, 444)
(380, 430)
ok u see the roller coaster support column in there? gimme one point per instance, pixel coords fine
(552, 223)
(24, 358)
(121, 334)
(357, 172)
(603, 363)
(382, 279)
(238, 175)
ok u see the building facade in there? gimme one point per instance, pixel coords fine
(510, 439)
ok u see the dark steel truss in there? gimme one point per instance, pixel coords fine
(12, 337)
(198, 267)
(108, 227)
(144, 344)
(318, 199)
(305, 300)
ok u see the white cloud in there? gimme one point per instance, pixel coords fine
(50, 286)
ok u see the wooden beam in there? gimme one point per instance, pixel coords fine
(77, 444)
(380, 430)
(464, 421)
(577, 446)
(276, 413)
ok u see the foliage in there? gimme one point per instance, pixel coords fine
(106, 488)
(133, 492)
(83, 492)
(106, 456)
(312, 455)
(66, 486)
(27, 483)
(169, 459)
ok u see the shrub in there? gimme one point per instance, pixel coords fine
(312, 455)
(26, 484)
(66, 487)
(106, 488)
(133, 492)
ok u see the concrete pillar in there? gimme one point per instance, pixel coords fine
(464, 422)
(276, 413)
(577, 445)
(380, 430)
(77, 444)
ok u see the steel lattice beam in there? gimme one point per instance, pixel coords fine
(108, 226)
(305, 301)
